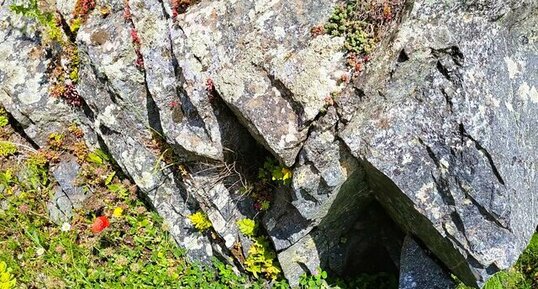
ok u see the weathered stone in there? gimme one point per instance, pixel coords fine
(68, 195)
(123, 114)
(186, 117)
(419, 271)
(445, 131)
(439, 130)
(24, 83)
(262, 60)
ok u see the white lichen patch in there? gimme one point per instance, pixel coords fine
(444, 165)
(229, 240)
(107, 117)
(527, 92)
(147, 181)
(264, 5)
(232, 86)
(514, 67)
(406, 159)
(219, 195)
(192, 243)
(13, 74)
(436, 213)
(424, 193)
(280, 33)
(312, 74)
(509, 106)
(533, 95)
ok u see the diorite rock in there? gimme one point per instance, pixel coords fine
(419, 271)
(68, 195)
(446, 134)
(439, 131)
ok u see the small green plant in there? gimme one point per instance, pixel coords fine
(528, 262)
(56, 140)
(135, 251)
(3, 117)
(274, 171)
(200, 221)
(362, 23)
(7, 281)
(316, 281)
(46, 19)
(97, 157)
(346, 21)
(7, 148)
(247, 227)
(261, 259)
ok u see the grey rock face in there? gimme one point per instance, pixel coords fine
(419, 271)
(68, 195)
(445, 131)
(439, 130)
(263, 64)
(23, 79)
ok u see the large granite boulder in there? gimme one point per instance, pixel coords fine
(445, 130)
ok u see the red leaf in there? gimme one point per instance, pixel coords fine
(100, 224)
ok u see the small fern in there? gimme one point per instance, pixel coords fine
(7, 148)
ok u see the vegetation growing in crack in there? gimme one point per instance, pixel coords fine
(274, 171)
(81, 13)
(180, 6)
(362, 23)
(200, 221)
(63, 68)
(137, 44)
(261, 258)
(112, 241)
(47, 19)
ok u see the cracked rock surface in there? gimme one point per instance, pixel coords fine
(445, 131)
(436, 138)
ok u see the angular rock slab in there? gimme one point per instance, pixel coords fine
(419, 271)
(265, 65)
(68, 195)
(121, 113)
(185, 115)
(447, 131)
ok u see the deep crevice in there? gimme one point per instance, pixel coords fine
(19, 129)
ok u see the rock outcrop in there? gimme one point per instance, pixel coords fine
(436, 138)
(444, 131)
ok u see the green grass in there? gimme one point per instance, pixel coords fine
(524, 275)
(135, 251)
